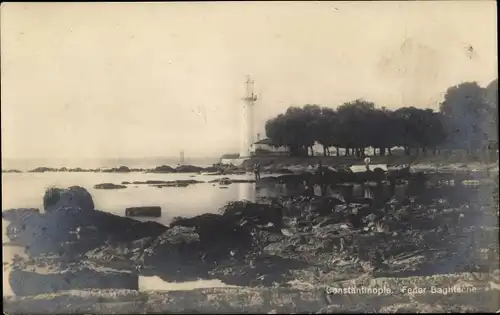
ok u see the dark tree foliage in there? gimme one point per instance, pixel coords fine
(465, 110)
(464, 121)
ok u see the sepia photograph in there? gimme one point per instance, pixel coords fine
(266, 157)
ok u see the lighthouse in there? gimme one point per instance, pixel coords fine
(247, 118)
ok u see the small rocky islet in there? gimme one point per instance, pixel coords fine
(436, 233)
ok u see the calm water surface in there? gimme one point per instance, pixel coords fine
(26, 190)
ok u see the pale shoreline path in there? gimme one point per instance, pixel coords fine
(479, 292)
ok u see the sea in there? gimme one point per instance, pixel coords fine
(26, 190)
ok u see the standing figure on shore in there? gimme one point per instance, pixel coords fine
(321, 176)
(256, 171)
(367, 164)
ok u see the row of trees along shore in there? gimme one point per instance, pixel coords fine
(467, 119)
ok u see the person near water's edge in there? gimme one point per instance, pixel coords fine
(367, 164)
(320, 173)
(256, 171)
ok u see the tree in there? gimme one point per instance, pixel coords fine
(327, 132)
(296, 129)
(407, 120)
(465, 111)
(353, 118)
(381, 130)
(467, 120)
(490, 125)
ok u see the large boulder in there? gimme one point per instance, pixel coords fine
(74, 198)
(218, 236)
(73, 233)
(175, 242)
(176, 255)
(233, 234)
(70, 219)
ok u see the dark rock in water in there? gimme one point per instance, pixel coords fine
(42, 170)
(67, 222)
(75, 197)
(18, 214)
(162, 169)
(188, 169)
(150, 182)
(187, 181)
(52, 232)
(31, 283)
(154, 211)
(109, 186)
(175, 183)
(121, 169)
(225, 181)
(11, 171)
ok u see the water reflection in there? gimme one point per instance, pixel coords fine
(246, 191)
(158, 284)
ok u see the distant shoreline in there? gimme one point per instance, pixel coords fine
(273, 163)
(164, 169)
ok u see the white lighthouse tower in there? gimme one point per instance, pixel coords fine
(247, 118)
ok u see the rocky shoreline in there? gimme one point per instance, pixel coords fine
(290, 248)
(274, 300)
(274, 166)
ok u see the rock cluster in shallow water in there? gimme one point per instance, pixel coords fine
(317, 240)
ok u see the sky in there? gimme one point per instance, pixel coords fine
(114, 80)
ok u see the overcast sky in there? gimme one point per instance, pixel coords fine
(83, 80)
